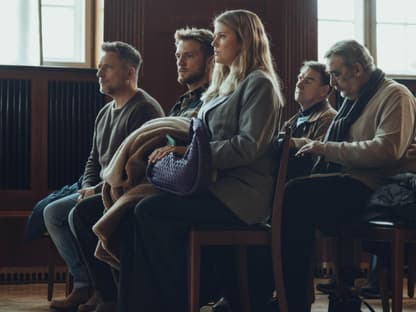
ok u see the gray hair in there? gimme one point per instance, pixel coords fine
(126, 53)
(352, 52)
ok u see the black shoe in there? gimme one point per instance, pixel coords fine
(372, 292)
(272, 305)
(327, 288)
(348, 302)
(222, 305)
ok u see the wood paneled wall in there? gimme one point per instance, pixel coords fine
(298, 42)
(55, 98)
(46, 123)
(149, 25)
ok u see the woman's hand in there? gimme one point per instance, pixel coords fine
(161, 152)
(314, 148)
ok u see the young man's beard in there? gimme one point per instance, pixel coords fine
(192, 78)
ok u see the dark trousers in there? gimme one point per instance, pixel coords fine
(153, 274)
(82, 218)
(325, 202)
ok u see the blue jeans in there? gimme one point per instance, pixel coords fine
(56, 221)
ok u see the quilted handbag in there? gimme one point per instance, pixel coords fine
(187, 174)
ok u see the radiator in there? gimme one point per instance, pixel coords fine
(15, 124)
(72, 108)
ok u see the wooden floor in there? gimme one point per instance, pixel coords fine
(32, 298)
(321, 302)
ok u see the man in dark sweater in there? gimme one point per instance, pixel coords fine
(130, 108)
(193, 58)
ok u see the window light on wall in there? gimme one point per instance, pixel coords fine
(387, 28)
(46, 32)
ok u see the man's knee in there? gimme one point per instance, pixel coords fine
(77, 213)
(89, 209)
(73, 221)
(150, 207)
(52, 214)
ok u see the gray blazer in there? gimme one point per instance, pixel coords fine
(242, 126)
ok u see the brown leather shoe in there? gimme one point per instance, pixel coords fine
(74, 299)
(90, 305)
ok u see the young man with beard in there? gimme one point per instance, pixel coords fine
(193, 58)
(194, 65)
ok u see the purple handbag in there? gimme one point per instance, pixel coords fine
(187, 174)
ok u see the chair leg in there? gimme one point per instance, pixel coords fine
(243, 279)
(340, 265)
(51, 269)
(411, 270)
(397, 271)
(311, 290)
(194, 274)
(384, 288)
(278, 272)
(69, 283)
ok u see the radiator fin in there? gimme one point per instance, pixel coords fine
(72, 108)
(15, 124)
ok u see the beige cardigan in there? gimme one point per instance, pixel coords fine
(379, 139)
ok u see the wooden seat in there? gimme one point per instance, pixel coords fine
(397, 234)
(243, 237)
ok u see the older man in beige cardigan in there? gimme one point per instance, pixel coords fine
(365, 145)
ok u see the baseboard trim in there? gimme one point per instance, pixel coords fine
(36, 274)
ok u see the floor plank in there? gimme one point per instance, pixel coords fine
(32, 298)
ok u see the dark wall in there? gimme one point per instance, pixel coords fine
(46, 123)
(149, 25)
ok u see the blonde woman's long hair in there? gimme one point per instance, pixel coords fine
(255, 54)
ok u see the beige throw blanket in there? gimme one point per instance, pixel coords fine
(125, 183)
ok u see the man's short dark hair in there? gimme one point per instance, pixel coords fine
(201, 35)
(318, 67)
(127, 53)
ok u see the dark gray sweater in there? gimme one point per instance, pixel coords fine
(112, 126)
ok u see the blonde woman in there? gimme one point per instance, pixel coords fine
(241, 109)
